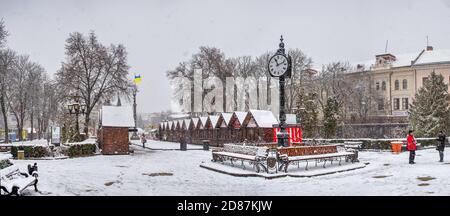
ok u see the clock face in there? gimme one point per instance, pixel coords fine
(278, 65)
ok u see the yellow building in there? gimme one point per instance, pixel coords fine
(395, 79)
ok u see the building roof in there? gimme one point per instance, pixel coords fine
(291, 119)
(409, 59)
(117, 116)
(195, 121)
(264, 118)
(434, 56)
(226, 117)
(241, 116)
(187, 122)
(213, 119)
(203, 120)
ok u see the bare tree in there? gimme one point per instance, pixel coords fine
(294, 85)
(3, 33)
(34, 83)
(7, 61)
(19, 94)
(244, 67)
(93, 71)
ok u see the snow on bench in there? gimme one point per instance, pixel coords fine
(325, 153)
(255, 155)
(14, 182)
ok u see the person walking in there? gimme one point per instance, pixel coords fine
(143, 140)
(411, 146)
(441, 145)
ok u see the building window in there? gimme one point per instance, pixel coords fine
(405, 104)
(380, 104)
(377, 86)
(396, 103)
(383, 85)
(405, 84)
(397, 85)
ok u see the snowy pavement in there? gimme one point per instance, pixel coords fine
(156, 172)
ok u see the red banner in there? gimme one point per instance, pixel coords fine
(295, 135)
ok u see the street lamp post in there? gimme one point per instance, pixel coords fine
(134, 136)
(77, 109)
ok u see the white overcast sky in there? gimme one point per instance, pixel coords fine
(159, 34)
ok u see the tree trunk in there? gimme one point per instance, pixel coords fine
(5, 118)
(32, 124)
(20, 127)
(86, 124)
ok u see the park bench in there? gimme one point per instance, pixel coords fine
(256, 156)
(295, 155)
(353, 144)
(14, 182)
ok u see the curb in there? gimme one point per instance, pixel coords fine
(280, 175)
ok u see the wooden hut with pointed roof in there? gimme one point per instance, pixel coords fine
(185, 130)
(223, 133)
(193, 129)
(258, 126)
(201, 127)
(211, 130)
(235, 123)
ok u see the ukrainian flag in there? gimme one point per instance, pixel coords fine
(137, 79)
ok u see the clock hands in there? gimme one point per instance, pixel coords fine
(281, 62)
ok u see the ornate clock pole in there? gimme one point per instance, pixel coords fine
(280, 66)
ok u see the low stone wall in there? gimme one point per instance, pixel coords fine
(374, 130)
(308, 150)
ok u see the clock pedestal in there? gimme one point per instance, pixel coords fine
(282, 136)
(280, 65)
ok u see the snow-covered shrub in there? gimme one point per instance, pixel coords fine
(4, 163)
(81, 150)
(30, 151)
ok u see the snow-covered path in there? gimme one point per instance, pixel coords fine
(154, 172)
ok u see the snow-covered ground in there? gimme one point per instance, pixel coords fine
(156, 172)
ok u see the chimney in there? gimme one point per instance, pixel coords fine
(429, 48)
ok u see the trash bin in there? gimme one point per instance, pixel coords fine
(206, 145)
(21, 155)
(183, 146)
(396, 147)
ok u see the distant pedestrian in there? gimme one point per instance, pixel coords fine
(183, 142)
(143, 140)
(441, 145)
(411, 146)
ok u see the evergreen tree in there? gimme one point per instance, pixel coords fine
(430, 111)
(330, 113)
(308, 114)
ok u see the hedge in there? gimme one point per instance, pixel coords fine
(30, 151)
(380, 144)
(81, 150)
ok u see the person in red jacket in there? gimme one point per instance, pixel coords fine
(411, 146)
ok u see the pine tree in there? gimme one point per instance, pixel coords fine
(330, 117)
(308, 114)
(430, 111)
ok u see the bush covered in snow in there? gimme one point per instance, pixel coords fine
(30, 151)
(81, 150)
(5, 163)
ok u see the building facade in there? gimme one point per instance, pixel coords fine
(395, 79)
